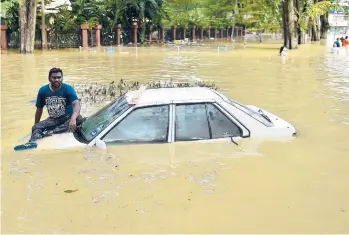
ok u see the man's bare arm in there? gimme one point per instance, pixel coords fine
(76, 109)
(38, 115)
(76, 113)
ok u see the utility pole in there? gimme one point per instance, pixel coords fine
(43, 27)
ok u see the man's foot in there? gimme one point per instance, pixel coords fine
(29, 145)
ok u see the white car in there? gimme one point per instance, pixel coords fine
(167, 115)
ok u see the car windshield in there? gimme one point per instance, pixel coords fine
(94, 124)
(258, 116)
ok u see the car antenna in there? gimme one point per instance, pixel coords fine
(232, 140)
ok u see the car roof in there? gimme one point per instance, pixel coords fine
(177, 95)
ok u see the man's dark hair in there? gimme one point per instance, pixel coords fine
(55, 70)
(281, 49)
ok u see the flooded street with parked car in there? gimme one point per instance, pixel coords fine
(258, 186)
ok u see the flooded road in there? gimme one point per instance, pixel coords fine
(257, 187)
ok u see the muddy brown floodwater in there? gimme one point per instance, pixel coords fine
(299, 186)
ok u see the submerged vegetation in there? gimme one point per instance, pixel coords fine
(99, 93)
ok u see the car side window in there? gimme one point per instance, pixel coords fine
(201, 122)
(221, 125)
(191, 122)
(149, 124)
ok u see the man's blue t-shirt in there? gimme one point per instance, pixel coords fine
(58, 103)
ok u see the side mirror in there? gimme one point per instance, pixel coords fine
(101, 144)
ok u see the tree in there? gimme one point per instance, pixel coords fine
(43, 26)
(143, 11)
(290, 27)
(27, 16)
(310, 16)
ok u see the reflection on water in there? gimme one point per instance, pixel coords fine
(337, 70)
(298, 186)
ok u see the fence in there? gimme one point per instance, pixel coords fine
(108, 38)
(55, 39)
(13, 39)
(59, 38)
(64, 39)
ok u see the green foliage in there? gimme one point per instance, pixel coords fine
(6, 6)
(319, 8)
(201, 12)
(312, 12)
(9, 10)
(257, 15)
(260, 14)
(64, 19)
(86, 11)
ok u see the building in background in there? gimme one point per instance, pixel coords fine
(339, 22)
(53, 6)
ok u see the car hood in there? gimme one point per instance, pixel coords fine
(276, 120)
(59, 141)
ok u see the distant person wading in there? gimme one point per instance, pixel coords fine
(63, 107)
(337, 43)
(345, 42)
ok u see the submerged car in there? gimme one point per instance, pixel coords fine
(167, 115)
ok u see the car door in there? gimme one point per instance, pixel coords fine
(144, 125)
(204, 122)
(140, 136)
(202, 132)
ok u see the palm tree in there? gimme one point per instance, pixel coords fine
(142, 11)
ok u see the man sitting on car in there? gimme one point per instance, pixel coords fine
(63, 107)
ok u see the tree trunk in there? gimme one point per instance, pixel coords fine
(315, 28)
(302, 38)
(290, 30)
(31, 26)
(310, 31)
(27, 25)
(292, 37)
(303, 33)
(284, 19)
(324, 26)
(23, 24)
(144, 28)
(298, 8)
(43, 26)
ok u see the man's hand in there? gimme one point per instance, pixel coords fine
(72, 124)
